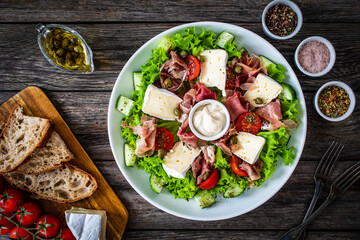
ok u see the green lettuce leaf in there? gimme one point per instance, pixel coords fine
(289, 110)
(276, 72)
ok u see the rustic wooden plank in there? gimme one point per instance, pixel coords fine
(165, 11)
(86, 114)
(22, 64)
(283, 211)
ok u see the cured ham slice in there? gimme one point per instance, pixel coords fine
(272, 113)
(253, 170)
(176, 70)
(145, 145)
(188, 102)
(234, 106)
(223, 141)
(203, 93)
(204, 163)
(189, 138)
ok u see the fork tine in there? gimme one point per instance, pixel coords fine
(352, 180)
(342, 181)
(331, 164)
(320, 165)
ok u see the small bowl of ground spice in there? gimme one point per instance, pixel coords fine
(281, 19)
(335, 101)
(315, 56)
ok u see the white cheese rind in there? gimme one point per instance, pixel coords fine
(178, 160)
(250, 147)
(160, 103)
(264, 88)
(213, 69)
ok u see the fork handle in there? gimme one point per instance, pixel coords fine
(294, 233)
(318, 187)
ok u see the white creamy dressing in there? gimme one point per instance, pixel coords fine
(209, 119)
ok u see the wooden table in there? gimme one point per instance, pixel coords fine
(116, 29)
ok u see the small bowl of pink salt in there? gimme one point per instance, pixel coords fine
(315, 56)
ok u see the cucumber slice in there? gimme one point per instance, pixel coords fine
(125, 105)
(266, 62)
(130, 156)
(287, 92)
(233, 190)
(137, 77)
(224, 38)
(156, 183)
(204, 199)
(165, 43)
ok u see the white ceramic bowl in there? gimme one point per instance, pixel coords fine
(224, 207)
(196, 132)
(296, 10)
(351, 96)
(332, 56)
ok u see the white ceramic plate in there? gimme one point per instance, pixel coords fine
(224, 208)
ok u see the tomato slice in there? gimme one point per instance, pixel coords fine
(248, 122)
(211, 181)
(164, 139)
(194, 67)
(234, 163)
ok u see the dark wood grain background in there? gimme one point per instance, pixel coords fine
(116, 29)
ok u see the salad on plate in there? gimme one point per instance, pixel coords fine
(207, 118)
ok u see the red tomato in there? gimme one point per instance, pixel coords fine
(48, 226)
(234, 163)
(66, 234)
(248, 122)
(211, 181)
(28, 213)
(164, 139)
(10, 199)
(20, 234)
(194, 67)
(1, 183)
(5, 224)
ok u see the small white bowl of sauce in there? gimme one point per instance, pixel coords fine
(335, 101)
(209, 120)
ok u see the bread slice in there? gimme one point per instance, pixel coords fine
(21, 135)
(46, 158)
(65, 184)
(2, 125)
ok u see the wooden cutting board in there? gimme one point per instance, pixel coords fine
(36, 103)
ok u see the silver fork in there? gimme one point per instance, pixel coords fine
(321, 176)
(340, 185)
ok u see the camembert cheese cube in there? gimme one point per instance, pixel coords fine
(264, 90)
(160, 103)
(250, 147)
(178, 161)
(213, 69)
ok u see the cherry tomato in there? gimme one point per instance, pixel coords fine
(66, 234)
(20, 234)
(194, 67)
(164, 139)
(1, 183)
(48, 226)
(211, 181)
(248, 122)
(5, 224)
(10, 199)
(28, 213)
(234, 163)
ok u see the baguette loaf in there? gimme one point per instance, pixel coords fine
(65, 184)
(2, 125)
(21, 135)
(46, 158)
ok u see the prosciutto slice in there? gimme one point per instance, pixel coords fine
(189, 138)
(234, 106)
(253, 170)
(203, 93)
(272, 113)
(175, 69)
(203, 164)
(223, 141)
(188, 102)
(145, 145)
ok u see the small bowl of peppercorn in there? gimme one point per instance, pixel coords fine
(335, 101)
(281, 19)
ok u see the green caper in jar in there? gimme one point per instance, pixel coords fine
(69, 62)
(65, 43)
(60, 52)
(68, 55)
(78, 49)
(168, 83)
(177, 112)
(60, 60)
(259, 101)
(233, 140)
(57, 43)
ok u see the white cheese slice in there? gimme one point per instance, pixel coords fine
(87, 224)
(160, 103)
(178, 160)
(213, 69)
(265, 89)
(250, 147)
